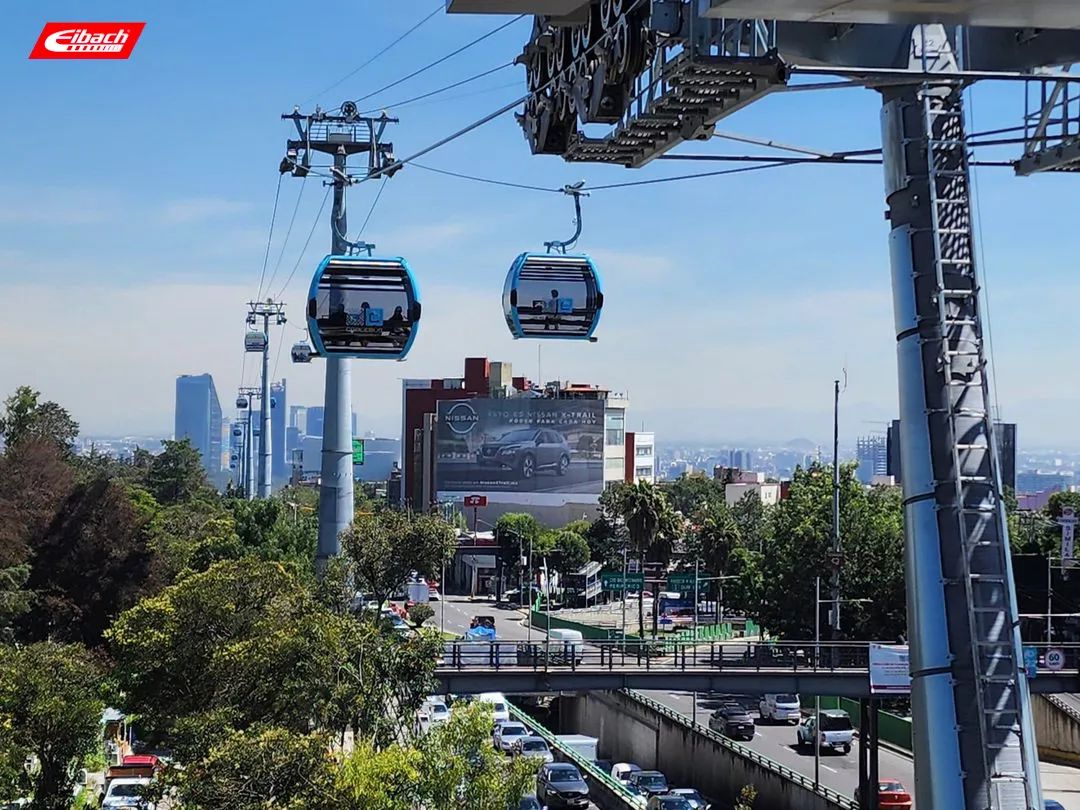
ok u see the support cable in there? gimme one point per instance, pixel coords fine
(288, 231)
(487, 180)
(438, 9)
(307, 242)
(441, 59)
(371, 210)
(440, 90)
(269, 237)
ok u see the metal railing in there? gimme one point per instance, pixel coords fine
(685, 656)
(741, 750)
(1064, 707)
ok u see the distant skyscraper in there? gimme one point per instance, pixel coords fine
(314, 421)
(1005, 438)
(298, 417)
(277, 431)
(742, 459)
(872, 453)
(198, 418)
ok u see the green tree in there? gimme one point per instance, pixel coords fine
(258, 768)
(371, 778)
(14, 598)
(460, 768)
(50, 700)
(176, 474)
(386, 547)
(25, 417)
(754, 521)
(418, 614)
(691, 493)
(277, 528)
(191, 536)
(90, 561)
(871, 531)
(569, 552)
(647, 517)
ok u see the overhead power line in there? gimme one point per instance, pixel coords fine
(352, 73)
(441, 59)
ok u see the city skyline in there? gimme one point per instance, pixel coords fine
(744, 334)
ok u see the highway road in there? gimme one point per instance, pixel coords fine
(841, 772)
(777, 742)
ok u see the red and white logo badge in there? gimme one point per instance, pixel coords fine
(87, 40)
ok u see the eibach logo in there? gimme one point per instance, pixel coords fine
(87, 40)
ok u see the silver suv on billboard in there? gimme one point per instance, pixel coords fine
(527, 450)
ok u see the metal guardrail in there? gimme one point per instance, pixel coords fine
(583, 765)
(1063, 706)
(741, 750)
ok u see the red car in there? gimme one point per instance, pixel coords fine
(891, 795)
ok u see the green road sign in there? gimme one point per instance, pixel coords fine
(683, 581)
(357, 451)
(618, 581)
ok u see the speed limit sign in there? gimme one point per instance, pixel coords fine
(1055, 659)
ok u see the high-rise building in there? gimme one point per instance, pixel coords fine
(742, 459)
(1004, 436)
(198, 418)
(873, 455)
(314, 426)
(277, 431)
(298, 418)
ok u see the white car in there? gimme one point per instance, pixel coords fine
(783, 708)
(127, 793)
(533, 747)
(621, 771)
(506, 734)
(497, 700)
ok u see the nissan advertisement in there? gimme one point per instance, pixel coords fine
(520, 446)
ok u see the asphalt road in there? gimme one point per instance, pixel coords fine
(454, 613)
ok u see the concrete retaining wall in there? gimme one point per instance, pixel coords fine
(630, 729)
(1057, 729)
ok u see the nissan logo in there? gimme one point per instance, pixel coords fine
(461, 418)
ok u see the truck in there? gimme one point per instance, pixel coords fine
(418, 592)
(582, 745)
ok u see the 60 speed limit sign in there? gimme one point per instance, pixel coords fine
(1055, 659)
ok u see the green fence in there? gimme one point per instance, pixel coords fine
(892, 728)
(705, 633)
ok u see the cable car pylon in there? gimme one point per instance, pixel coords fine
(341, 135)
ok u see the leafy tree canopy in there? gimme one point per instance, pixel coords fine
(25, 417)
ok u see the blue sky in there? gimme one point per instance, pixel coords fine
(136, 198)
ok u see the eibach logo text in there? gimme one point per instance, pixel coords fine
(87, 40)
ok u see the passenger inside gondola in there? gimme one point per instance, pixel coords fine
(396, 323)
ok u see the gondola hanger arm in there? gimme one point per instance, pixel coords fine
(577, 191)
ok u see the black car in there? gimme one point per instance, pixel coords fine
(732, 721)
(647, 783)
(528, 803)
(559, 784)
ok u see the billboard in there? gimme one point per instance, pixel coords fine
(526, 446)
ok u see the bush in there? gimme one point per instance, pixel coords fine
(418, 614)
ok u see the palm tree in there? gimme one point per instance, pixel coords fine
(645, 513)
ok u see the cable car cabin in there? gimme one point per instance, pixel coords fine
(363, 307)
(241, 402)
(552, 296)
(255, 342)
(301, 353)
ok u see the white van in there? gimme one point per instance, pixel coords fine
(785, 707)
(497, 701)
(566, 645)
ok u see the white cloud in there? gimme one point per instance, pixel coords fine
(200, 209)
